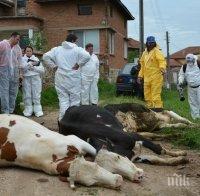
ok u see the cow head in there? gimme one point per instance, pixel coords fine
(118, 164)
(89, 173)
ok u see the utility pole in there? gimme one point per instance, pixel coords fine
(168, 63)
(141, 26)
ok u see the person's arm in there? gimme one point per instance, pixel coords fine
(83, 57)
(141, 72)
(181, 77)
(49, 58)
(22, 64)
(38, 69)
(96, 76)
(161, 61)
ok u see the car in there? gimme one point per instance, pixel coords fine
(126, 82)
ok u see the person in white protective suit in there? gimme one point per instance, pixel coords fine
(67, 58)
(89, 79)
(32, 84)
(190, 72)
(10, 62)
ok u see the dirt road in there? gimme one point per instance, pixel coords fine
(158, 179)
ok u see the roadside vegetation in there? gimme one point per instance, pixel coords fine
(189, 137)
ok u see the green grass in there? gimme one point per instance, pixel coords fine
(189, 136)
(49, 99)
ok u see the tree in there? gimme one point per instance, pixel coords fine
(38, 41)
(132, 55)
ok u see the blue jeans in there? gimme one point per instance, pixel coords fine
(8, 88)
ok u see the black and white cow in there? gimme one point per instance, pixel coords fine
(100, 127)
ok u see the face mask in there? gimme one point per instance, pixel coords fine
(190, 63)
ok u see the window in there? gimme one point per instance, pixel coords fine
(21, 3)
(88, 36)
(24, 41)
(111, 43)
(84, 9)
(21, 7)
(125, 49)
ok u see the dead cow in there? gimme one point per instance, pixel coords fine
(26, 143)
(137, 118)
(100, 127)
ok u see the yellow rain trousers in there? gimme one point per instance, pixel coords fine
(153, 63)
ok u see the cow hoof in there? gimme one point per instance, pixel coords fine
(138, 177)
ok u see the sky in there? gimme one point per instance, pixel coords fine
(181, 18)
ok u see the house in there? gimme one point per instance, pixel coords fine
(133, 45)
(101, 22)
(177, 59)
(180, 55)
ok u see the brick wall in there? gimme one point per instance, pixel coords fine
(117, 22)
(60, 16)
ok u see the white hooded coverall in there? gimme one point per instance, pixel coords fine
(89, 80)
(32, 87)
(192, 77)
(10, 62)
(67, 79)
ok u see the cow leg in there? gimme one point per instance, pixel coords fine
(155, 160)
(178, 118)
(157, 148)
(176, 125)
(155, 136)
(174, 153)
(4, 163)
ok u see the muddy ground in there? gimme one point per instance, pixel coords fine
(157, 181)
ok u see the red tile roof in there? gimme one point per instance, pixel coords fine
(182, 53)
(174, 63)
(132, 43)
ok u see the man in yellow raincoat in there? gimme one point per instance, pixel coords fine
(153, 66)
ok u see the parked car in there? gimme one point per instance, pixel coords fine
(127, 81)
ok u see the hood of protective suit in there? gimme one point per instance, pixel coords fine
(68, 45)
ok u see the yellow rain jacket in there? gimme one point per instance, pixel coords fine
(153, 64)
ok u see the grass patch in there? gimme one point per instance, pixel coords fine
(49, 99)
(107, 95)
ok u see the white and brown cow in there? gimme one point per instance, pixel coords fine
(26, 143)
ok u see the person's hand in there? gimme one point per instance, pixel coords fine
(181, 84)
(31, 67)
(163, 71)
(35, 63)
(139, 80)
(21, 77)
(75, 67)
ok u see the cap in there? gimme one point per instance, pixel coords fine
(151, 39)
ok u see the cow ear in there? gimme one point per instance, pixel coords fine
(117, 158)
